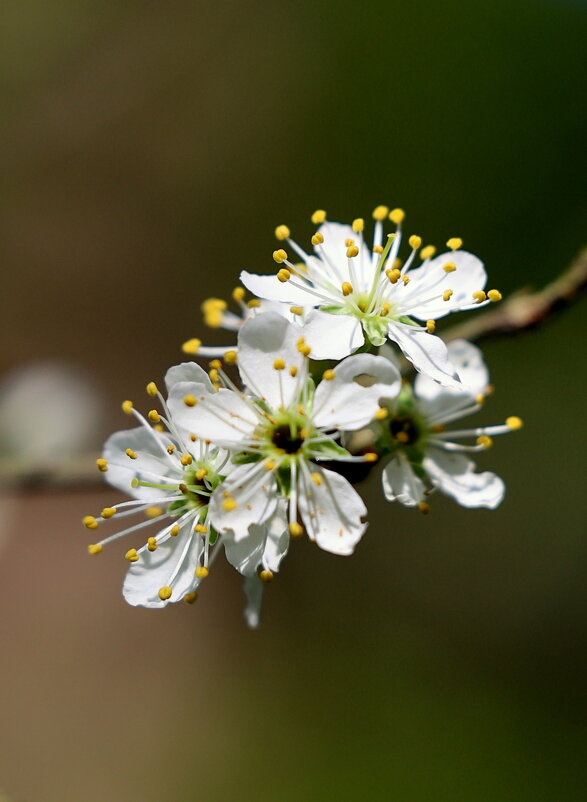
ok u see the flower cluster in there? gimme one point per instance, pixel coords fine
(244, 457)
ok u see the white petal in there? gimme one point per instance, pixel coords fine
(350, 400)
(253, 588)
(331, 511)
(400, 483)
(455, 475)
(469, 277)
(265, 545)
(427, 353)
(272, 289)
(261, 341)
(187, 372)
(435, 400)
(332, 336)
(254, 490)
(156, 569)
(332, 251)
(151, 459)
(222, 417)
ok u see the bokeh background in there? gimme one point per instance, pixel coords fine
(147, 151)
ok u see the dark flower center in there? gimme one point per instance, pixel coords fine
(282, 438)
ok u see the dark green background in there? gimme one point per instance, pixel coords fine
(147, 152)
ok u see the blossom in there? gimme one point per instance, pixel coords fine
(278, 432)
(363, 294)
(170, 478)
(425, 455)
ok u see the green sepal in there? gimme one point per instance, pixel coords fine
(283, 476)
(331, 449)
(335, 309)
(375, 329)
(244, 458)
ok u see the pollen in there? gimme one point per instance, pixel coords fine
(174, 531)
(152, 389)
(238, 295)
(131, 555)
(494, 295)
(279, 364)
(153, 512)
(386, 306)
(397, 216)
(377, 249)
(214, 377)
(449, 267)
(480, 399)
(130, 453)
(282, 232)
(381, 413)
(347, 288)
(127, 407)
(108, 512)
(279, 256)
(352, 251)
(296, 529)
(170, 449)
(371, 456)
(154, 416)
(349, 241)
(189, 400)
(229, 504)
(358, 224)
(230, 357)
(190, 598)
(513, 422)
(296, 310)
(266, 575)
(202, 572)
(293, 371)
(406, 280)
(484, 441)
(165, 593)
(393, 274)
(380, 212)
(152, 543)
(447, 295)
(303, 348)
(328, 375)
(430, 326)
(90, 522)
(428, 252)
(94, 548)
(415, 242)
(253, 303)
(454, 243)
(283, 275)
(269, 465)
(479, 296)
(191, 346)
(402, 437)
(318, 217)
(317, 478)
(102, 464)
(201, 473)
(203, 530)
(424, 507)
(186, 460)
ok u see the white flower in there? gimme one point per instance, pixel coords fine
(365, 294)
(171, 478)
(424, 455)
(280, 430)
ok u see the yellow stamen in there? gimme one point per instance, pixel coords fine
(130, 453)
(402, 437)
(279, 364)
(102, 464)
(303, 433)
(317, 238)
(170, 449)
(296, 529)
(152, 389)
(266, 575)
(393, 274)
(484, 441)
(153, 512)
(253, 303)
(201, 473)
(127, 407)
(347, 288)
(190, 598)
(377, 249)
(479, 296)
(424, 508)
(380, 212)
(154, 416)
(328, 375)
(454, 243)
(293, 371)
(229, 504)
(202, 572)
(131, 555)
(203, 530)
(371, 456)
(191, 346)
(513, 422)
(358, 224)
(318, 217)
(480, 398)
(90, 522)
(282, 232)
(152, 544)
(406, 280)
(238, 294)
(494, 295)
(415, 241)
(381, 413)
(186, 460)
(352, 251)
(430, 326)
(447, 295)
(427, 252)
(230, 357)
(94, 548)
(269, 465)
(283, 275)
(174, 531)
(385, 307)
(316, 478)
(108, 512)
(279, 256)
(189, 400)
(165, 593)
(449, 267)
(396, 216)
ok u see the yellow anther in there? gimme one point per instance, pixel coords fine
(238, 294)
(381, 413)
(154, 416)
(174, 531)
(229, 504)
(153, 512)
(134, 482)
(201, 473)
(152, 543)
(253, 303)
(349, 241)
(131, 555)
(393, 274)
(191, 346)
(279, 256)
(424, 507)
(189, 400)
(402, 437)
(214, 318)
(513, 422)
(304, 349)
(358, 224)
(352, 251)
(385, 307)
(447, 295)
(454, 243)
(102, 464)
(283, 275)
(203, 530)
(397, 263)
(317, 478)
(193, 437)
(230, 357)
(347, 288)
(269, 465)
(266, 575)
(130, 453)
(296, 310)
(152, 389)
(279, 364)
(438, 427)
(90, 522)
(170, 449)
(202, 572)
(396, 216)
(214, 377)
(449, 267)
(296, 529)
(94, 548)
(430, 326)
(428, 252)
(317, 238)
(415, 242)
(303, 433)
(211, 304)
(480, 398)
(318, 217)
(159, 427)
(494, 295)
(127, 407)
(380, 212)
(371, 456)
(406, 280)
(108, 512)
(328, 375)
(293, 371)
(377, 249)
(282, 232)
(190, 598)
(165, 593)
(479, 296)
(484, 441)
(186, 460)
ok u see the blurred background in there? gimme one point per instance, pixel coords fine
(147, 152)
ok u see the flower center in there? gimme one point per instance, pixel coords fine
(287, 438)
(405, 430)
